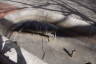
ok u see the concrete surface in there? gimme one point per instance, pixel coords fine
(58, 50)
(53, 51)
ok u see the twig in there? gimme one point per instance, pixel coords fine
(43, 49)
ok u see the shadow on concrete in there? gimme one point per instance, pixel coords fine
(36, 27)
(9, 45)
(41, 28)
(85, 31)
